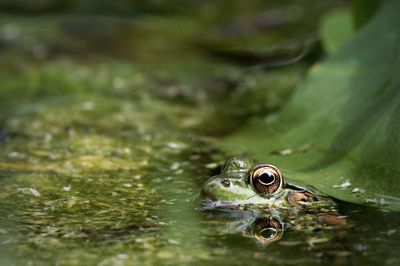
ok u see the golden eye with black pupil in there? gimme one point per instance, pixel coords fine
(265, 179)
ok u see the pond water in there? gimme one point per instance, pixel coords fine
(146, 212)
(105, 141)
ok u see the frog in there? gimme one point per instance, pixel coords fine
(245, 184)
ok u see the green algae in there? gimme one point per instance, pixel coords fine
(88, 169)
(85, 185)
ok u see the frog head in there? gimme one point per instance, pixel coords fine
(243, 183)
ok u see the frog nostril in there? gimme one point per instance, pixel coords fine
(225, 182)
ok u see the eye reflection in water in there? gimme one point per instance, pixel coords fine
(267, 229)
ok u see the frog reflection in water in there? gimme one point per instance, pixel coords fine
(261, 188)
(264, 227)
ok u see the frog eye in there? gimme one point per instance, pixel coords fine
(265, 179)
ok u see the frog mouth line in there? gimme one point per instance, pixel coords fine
(210, 203)
(296, 198)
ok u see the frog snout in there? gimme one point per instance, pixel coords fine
(224, 189)
(209, 189)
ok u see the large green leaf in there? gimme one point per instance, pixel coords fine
(343, 123)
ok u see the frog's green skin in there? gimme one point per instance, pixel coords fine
(232, 189)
